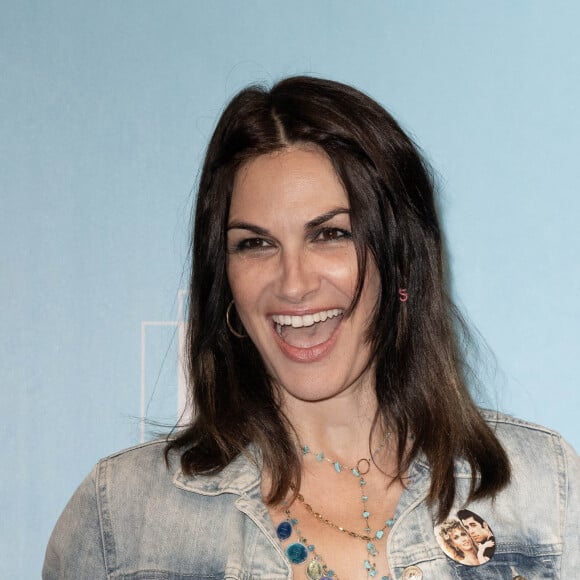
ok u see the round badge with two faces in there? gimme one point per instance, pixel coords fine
(466, 538)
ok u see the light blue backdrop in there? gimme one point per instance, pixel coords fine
(105, 109)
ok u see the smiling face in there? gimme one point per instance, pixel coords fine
(461, 539)
(292, 270)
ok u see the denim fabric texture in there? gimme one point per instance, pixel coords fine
(133, 518)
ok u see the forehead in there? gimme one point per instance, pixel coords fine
(294, 179)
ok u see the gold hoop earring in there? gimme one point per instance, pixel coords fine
(229, 324)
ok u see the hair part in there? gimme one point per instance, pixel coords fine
(420, 381)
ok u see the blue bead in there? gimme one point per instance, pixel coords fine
(320, 456)
(305, 449)
(356, 472)
(284, 531)
(372, 573)
(337, 467)
(297, 553)
(367, 564)
(379, 534)
(390, 523)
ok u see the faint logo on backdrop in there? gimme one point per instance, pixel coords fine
(163, 380)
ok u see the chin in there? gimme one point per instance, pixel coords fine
(314, 388)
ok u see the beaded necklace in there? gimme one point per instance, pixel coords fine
(360, 469)
(298, 552)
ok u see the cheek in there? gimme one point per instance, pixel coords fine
(241, 290)
(247, 281)
(341, 275)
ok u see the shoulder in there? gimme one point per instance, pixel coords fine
(536, 453)
(521, 437)
(503, 422)
(146, 460)
(126, 513)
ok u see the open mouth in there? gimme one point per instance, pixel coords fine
(307, 330)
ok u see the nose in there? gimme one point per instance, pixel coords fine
(298, 277)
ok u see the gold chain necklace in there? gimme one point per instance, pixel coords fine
(367, 538)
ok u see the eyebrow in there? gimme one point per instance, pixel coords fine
(310, 225)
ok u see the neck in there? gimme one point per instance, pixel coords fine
(340, 426)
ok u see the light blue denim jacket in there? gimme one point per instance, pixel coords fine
(132, 518)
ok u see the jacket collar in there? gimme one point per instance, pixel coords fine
(240, 477)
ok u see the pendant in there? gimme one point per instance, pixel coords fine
(314, 570)
(297, 553)
(284, 531)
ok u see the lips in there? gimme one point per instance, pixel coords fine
(307, 336)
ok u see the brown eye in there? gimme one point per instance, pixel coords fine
(333, 234)
(251, 244)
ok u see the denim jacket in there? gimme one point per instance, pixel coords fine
(133, 518)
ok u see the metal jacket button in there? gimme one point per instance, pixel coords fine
(412, 573)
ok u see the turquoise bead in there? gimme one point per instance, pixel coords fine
(337, 467)
(320, 456)
(371, 549)
(297, 553)
(306, 450)
(379, 534)
(366, 514)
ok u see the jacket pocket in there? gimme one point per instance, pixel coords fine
(523, 561)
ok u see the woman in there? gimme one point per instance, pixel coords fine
(460, 545)
(333, 427)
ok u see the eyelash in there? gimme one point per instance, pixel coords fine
(342, 234)
(323, 235)
(246, 245)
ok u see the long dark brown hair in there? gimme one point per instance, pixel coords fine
(420, 383)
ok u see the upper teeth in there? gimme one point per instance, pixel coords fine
(306, 319)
